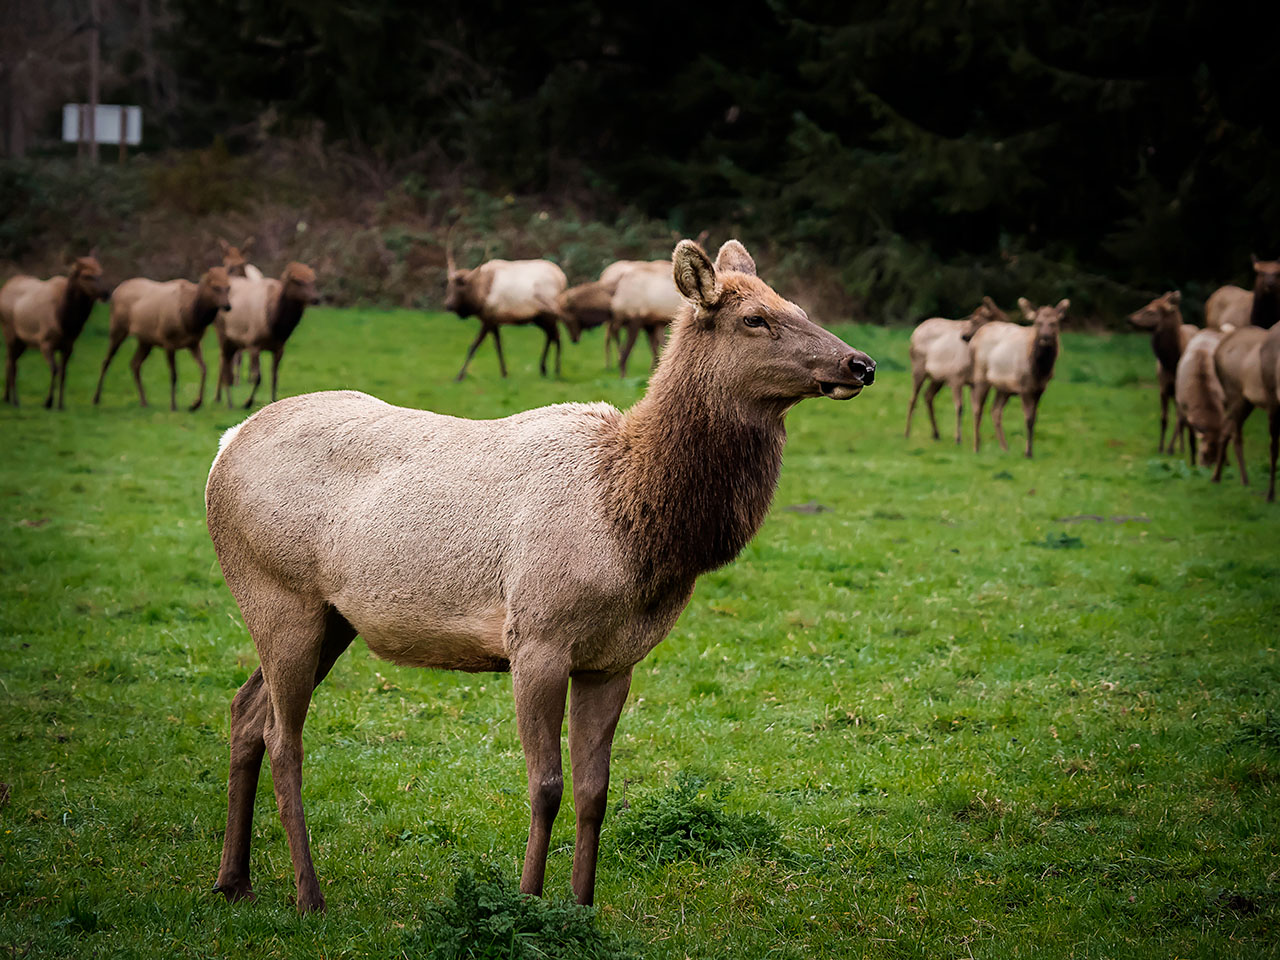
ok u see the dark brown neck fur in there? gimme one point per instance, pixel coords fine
(1043, 357)
(201, 312)
(1166, 342)
(690, 477)
(73, 312)
(286, 313)
(1266, 308)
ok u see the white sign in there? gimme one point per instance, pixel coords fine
(109, 122)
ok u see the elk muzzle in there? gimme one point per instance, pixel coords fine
(857, 371)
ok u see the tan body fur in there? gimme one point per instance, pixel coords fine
(561, 542)
(173, 316)
(1012, 359)
(49, 316)
(1228, 306)
(941, 355)
(1200, 400)
(1232, 306)
(645, 298)
(263, 315)
(501, 292)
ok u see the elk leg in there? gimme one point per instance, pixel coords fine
(957, 397)
(551, 336)
(112, 347)
(1245, 410)
(917, 381)
(197, 354)
(237, 365)
(172, 357)
(997, 416)
(929, 394)
(51, 357)
(13, 352)
(62, 379)
(1191, 447)
(540, 686)
(1164, 423)
(136, 366)
(502, 362)
(595, 703)
(653, 333)
(1224, 438)
(471, 351)
(1030, 404)
(249, 712)
(275, 369)
(610, 334)
(255, 374)
(225, 360)
(624, 350)
(1273, 421)
(979, 398)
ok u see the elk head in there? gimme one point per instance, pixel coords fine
(85, 275)
(215, 288)
(751, 343)
(1046, 320)
(299, 282)
(984, 314)
(1158, 310)
(235, 259)
(1266, 276)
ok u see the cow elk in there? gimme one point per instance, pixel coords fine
(940, 353)
(1013, 359)
(263, 314)
(501, 292)
(1199, 398)
(1169, 338)
(236, 259)
(560, 543)
(48, 315)
(645, 299)
(171, 315)
(586, 306)
(1232, 306)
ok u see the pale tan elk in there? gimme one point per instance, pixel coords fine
(1013, 359)
(1234, 306)
(645, 299)
(560, 543)
(263, 314)
(1238, 361)
(1169, 337)
(173, 316)
(1199, 399)
(940, 353)
(48, 315)
(502, 292)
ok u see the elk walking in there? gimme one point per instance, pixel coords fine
(173, 316)
(48, 315)
(940, 353)
(1013, 359)
(560, 543)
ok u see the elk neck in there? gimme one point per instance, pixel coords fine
(1166, 342)
(73, 312)
(1266, 308)
(286, 313)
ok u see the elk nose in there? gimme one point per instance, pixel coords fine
(862, 367)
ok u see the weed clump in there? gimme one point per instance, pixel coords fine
(684, 822)
(488, 919)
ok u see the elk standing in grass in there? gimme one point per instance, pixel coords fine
(1169, 337)
(1232, 306)
(502, 292)
(645, 299)
(940, 352)
(48, 315)
(171, 315)
(1238, 361)
(263, 314)
(586, 306)
(1013, 359)
(1199, 399)
(560, 543)
(236, 260)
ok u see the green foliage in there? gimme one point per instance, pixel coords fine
(487, 918)
(686, 821)
(201, 182)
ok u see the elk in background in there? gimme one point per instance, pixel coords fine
(1199, 399)
(1169, 338)
(940, 353)
(645, 299)
(48, 315)
(1232, 306)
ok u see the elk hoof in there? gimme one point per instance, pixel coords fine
(234, 893)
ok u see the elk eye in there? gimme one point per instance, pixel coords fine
(755, 321)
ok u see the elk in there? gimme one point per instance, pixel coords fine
(1198, 396)
(48, 315)
(1014, 359)
(262, 316)
(1238, 362)
(171, 315)
(1169, 338)
(586, 306)
(645, 299)
(236, 259)
(1269, 366)
(940, 352)
(507, 292)
(560, 543)
(1234, 306)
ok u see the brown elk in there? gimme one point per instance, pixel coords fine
(560, 544)
(1169, 337)
(1239, 363)
(48, 315)
(502, 292)
(1232, 306)
(586, 306)
(263, 314)
(1198, 395)
(173, 316)
(940, 353)
(1013, 359)
(645, 299)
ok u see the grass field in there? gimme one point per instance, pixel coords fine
(961, 724)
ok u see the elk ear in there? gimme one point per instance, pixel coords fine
(733, 256)
(245, 247)
(694, 274)
(223, 245)
(1063, 305)
(1025, 306)
(1175, 297)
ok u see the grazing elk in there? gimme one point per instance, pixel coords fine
(645, 299)
(171, 315)
(560, 544)
(1234, 306)
(1239, 363)
(586, 306)
(1013, 359)
(940, 353)
(1169, 337)
(48, 315)
(1198, 396)
(263, 314)
(507, 292)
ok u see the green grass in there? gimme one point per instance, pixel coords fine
(942, 721)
